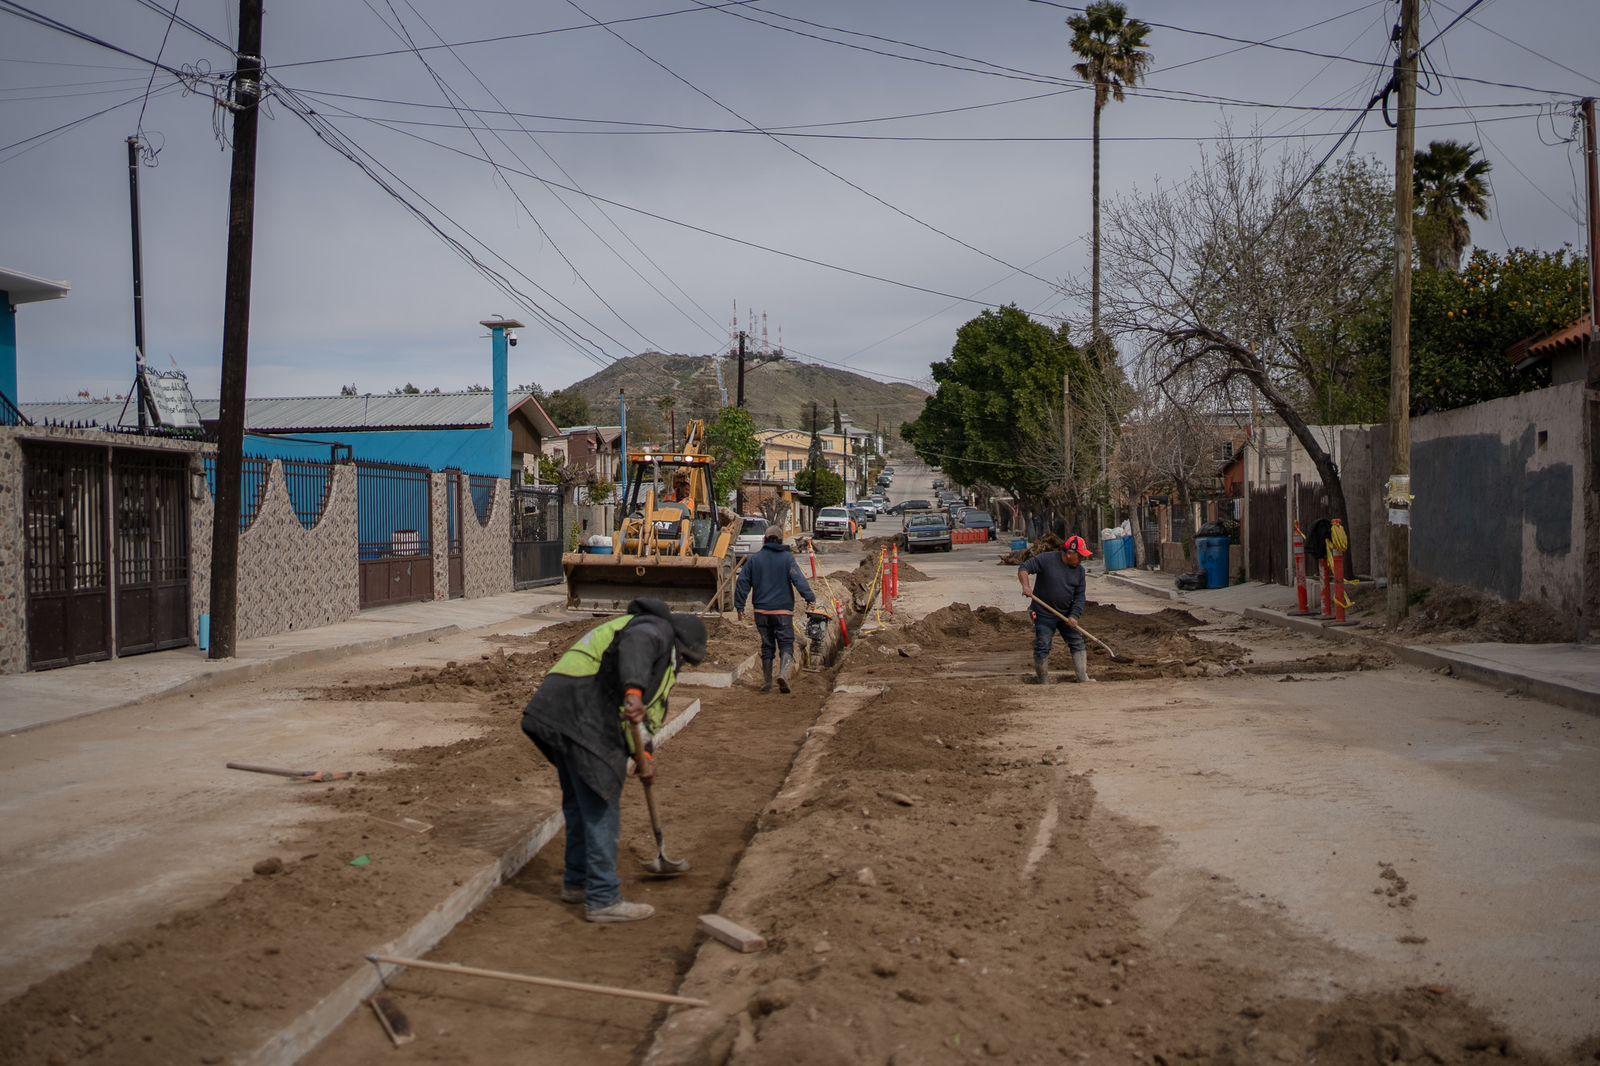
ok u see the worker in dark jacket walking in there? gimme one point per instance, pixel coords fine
(769, 574)
(1058, 579)
(621, 672)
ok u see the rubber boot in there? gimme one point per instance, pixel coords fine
(1041, 672)
(785, 668)
(1080, 664)
(766, 677)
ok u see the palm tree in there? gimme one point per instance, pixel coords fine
(1448, 184)
(1111, 47)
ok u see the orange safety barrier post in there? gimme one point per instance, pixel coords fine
(1304, 608)
(1340, 600)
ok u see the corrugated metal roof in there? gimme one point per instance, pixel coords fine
(287, 414)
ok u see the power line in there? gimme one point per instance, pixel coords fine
(795, 151)
(509, 36)
(138, 123)
(797, 257)
(1518, 44)
(1310, 52)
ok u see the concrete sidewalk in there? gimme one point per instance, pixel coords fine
(29, 701)
(1564, 674)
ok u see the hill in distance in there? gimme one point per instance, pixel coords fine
(778, 392)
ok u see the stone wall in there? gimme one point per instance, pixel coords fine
(439, 516)
(291, 577)
(486, 546)
(13, 603)
(1504, 497)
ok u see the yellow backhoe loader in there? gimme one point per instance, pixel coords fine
(669, 542)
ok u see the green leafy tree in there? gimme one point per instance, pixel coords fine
(1462, 324)
(731, 440)
(567, 407)
(1111, 47)
(821, 485)
(995, 415)
(1449, 184)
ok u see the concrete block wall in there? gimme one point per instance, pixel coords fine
(291, 577)
(486, 545)
(13, 593)
(1505, 498)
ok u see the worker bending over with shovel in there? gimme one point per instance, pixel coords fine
(581, 719)
(1056, 593)
(770, 573)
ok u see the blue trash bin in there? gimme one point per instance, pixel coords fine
(1214, 560)
(1119, 553)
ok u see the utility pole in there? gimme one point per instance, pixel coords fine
(140, 398)
(1066, 439)
(1399, 490)
(741, 368)
(235, 334)
(1592, 158)
(622, 443)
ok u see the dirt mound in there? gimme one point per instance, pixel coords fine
(962, 641)
(1463, 615)
(1047, 543)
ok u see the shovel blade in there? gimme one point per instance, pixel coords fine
(661, 866)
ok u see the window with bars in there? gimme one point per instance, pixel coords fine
(482, 486)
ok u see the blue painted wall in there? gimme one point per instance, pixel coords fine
(473, 451)
(8, 349)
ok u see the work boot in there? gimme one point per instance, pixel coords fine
(785, 668)
(766, 677)
(1041, 672)
(1080, 664)
(573, 895)
(620, 911)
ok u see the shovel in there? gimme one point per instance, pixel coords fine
(1114, 656)
(660, 866)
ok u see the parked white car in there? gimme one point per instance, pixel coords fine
(751, 529)
(834, 522)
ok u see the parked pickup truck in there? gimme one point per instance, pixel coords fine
(928, 532)
(834, 522)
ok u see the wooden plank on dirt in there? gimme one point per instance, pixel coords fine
(732, 933)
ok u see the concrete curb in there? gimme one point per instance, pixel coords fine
(252, 670)
(1434, 659)
(301, 1036)
(719, 678)
(1461, 666)
(1139, 586)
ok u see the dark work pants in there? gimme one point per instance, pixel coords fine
(594, 829)
(1045, 627)
(777, 635)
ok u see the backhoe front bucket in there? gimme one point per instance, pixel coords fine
(699, 584)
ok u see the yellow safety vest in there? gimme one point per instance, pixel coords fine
(583, 660)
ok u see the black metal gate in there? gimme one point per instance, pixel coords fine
(67, 579)
(536, 523)
(395, 533)
(152, 551)
(458, 575)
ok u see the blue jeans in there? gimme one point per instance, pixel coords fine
(594, 828)
(777, 635)
(1045, 627)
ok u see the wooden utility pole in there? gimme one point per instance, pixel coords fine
(1592, 158)
(1399, 489)
(140, 398)
(741, 368)
(245, 105)
(1066, 441)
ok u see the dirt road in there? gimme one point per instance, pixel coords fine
(1234, 847)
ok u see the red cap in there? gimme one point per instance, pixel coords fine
(1079, 545)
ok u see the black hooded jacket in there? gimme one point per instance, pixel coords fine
(576, 719)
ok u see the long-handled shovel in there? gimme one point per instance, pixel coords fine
(660, 866)
(1114, 656)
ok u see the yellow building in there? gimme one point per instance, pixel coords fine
(784, 453)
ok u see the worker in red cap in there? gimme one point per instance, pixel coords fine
(1058, 580)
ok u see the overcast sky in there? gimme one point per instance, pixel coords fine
(350, 288)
